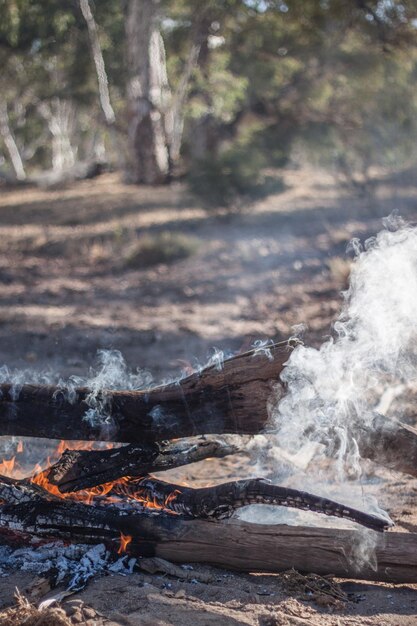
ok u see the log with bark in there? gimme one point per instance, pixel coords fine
(223, 398)
(27, 511)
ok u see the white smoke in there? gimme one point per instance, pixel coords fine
(373, 348)
(110, 372)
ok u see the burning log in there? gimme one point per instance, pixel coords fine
(216, 502)
(28, 511)
(230, 398)
(81, 469)
(220, 501)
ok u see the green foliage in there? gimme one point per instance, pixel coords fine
(166, 247)
(233, 178)
(332, 77)
(374, 120)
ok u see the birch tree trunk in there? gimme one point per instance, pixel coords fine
(10, 143)
(103, 83)
(60, 117)
(148, 95)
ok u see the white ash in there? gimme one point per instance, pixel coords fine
(71, 566)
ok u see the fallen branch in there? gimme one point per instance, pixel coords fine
(216, 502)
(81, 469)
(221, 501)
(230, 398)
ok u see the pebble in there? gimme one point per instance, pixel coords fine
(77, 617)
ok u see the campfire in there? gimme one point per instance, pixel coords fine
(100, 490)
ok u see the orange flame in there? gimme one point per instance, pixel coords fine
(7, 466)
(125, 487)
(171, 497)
(124, 542)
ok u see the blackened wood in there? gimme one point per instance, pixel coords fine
(216, 502)
(81, 469)
(220, 501)
(231, 398)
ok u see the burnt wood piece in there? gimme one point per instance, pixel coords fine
(217, 502)
(81, 469)
(233, 544)
(220, 501)
(232, 398)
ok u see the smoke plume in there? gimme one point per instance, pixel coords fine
(372, 349)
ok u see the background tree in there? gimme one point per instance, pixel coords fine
(219, 91)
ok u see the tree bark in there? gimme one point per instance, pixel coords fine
(148, 95)
(225, 398)
(237, 545)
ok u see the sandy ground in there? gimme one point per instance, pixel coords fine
(67, 291)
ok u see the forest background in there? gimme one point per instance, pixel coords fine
(220, 94)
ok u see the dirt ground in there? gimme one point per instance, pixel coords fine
(67, 291)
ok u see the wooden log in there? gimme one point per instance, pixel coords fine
(221, 501)
(82, 469)
(215, 502)
(384, 440)
(237, 545)
(230, 398)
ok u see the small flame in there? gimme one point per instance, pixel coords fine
(7, 466)
(61, 446)
(171, 497)
(124, 542)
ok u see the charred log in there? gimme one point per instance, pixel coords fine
(232, 398)
(81, 469)
(216, 502)
(221, 501)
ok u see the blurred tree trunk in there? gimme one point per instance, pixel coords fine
(103, 83)
(60, 117)
(174, 122)
(10, 143)
(204, 130)
(148, 95)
